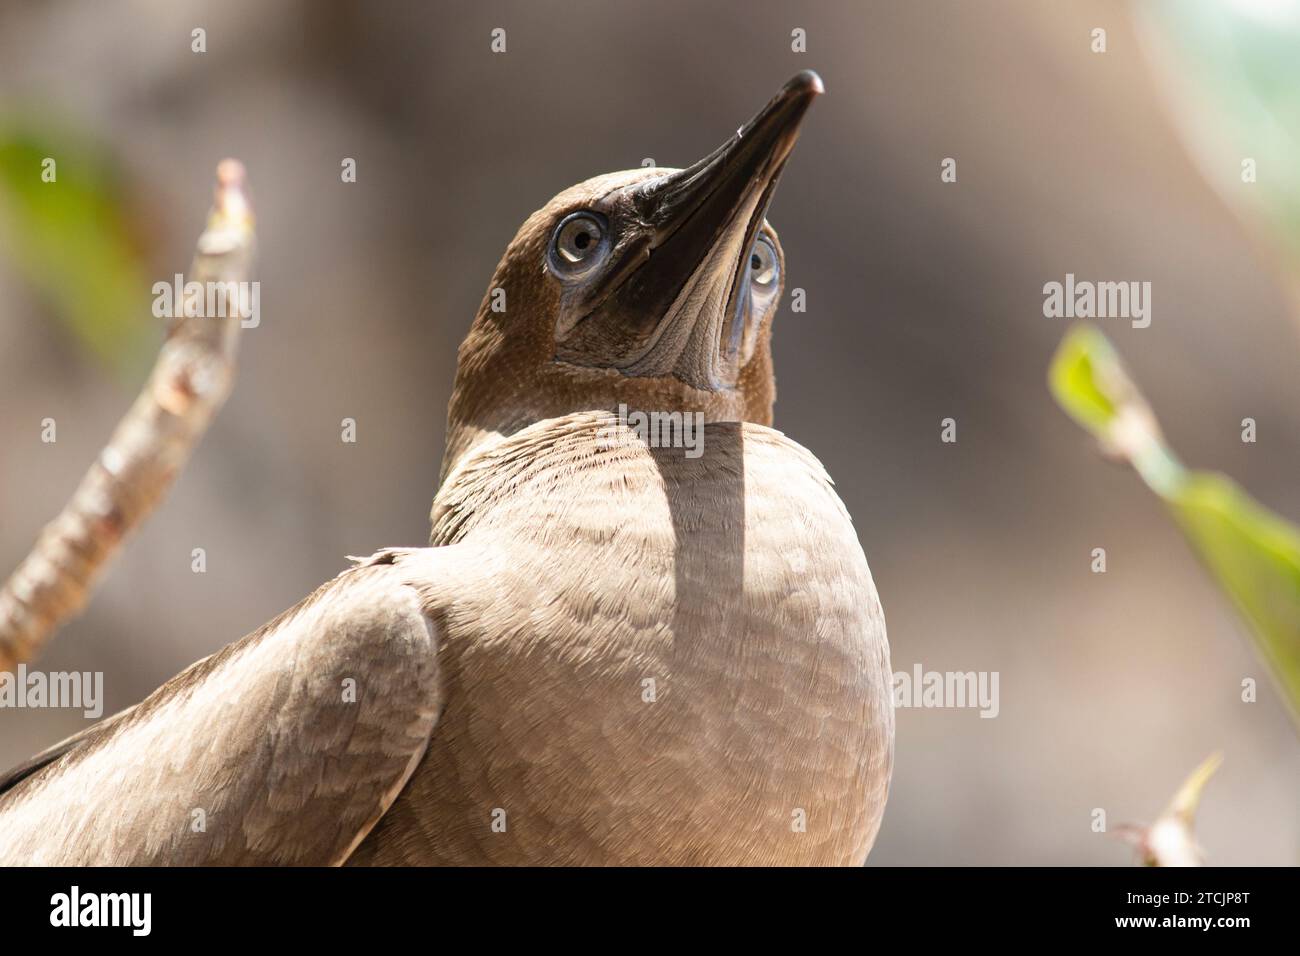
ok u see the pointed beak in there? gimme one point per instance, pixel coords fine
(701, 224)
(691, 208)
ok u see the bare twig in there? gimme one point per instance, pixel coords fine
(188, 384)
(1170, 841)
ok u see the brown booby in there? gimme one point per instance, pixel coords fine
(616, 650)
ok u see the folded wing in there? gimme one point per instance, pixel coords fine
(286, 747)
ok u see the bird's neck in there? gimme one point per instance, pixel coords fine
(506, 382)
(476, 417)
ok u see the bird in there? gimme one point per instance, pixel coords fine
(614, 650)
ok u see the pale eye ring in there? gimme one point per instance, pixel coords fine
(579, 242)
(763, 266)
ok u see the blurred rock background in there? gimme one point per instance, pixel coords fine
(924, 301)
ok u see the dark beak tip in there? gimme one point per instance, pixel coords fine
(805, 83)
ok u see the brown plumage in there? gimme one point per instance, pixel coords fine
(612, 652)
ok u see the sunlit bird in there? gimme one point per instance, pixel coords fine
(627, 643)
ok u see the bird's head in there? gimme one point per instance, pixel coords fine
(654, 288)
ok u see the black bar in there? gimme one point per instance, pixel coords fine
(548, 907)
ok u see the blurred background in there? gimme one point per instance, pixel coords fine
(924, 300)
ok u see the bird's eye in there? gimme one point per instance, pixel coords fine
(579, 241)
(762, 265)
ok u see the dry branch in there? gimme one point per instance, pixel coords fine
(188, 384)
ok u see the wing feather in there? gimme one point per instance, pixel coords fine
(285, 747)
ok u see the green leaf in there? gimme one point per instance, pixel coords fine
(71, 239)
(1092, 385)
(1074, 379)
(1253, 553)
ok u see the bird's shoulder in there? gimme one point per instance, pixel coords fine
(592, 468)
